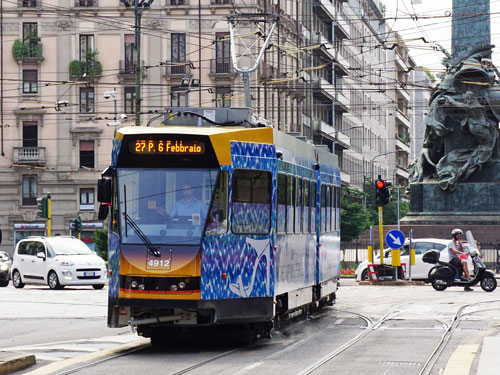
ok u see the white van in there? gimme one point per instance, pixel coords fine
(56, 262)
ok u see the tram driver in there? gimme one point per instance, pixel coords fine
(189, 207)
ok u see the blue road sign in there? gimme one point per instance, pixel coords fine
(395, 239)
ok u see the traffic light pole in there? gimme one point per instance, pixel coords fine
(381, 233)
(49, 215)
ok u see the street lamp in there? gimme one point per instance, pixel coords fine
(108, 95)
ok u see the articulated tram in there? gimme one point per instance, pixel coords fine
(215, 220)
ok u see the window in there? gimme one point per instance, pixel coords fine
(86, 199)
(87, 154)
(323, 209)
(178, 97)
(129, 99)
(290, 202)
(281, 220)
(86, 3)
(30, 29)
(87, 100)
(307, 198)
(130, 54)
(251, 201)
(178, 47)
(86, 46)
(30, 134)
(29, 3)
(222, 53)
(30, 190)
(30, 82)
(178, 2)
(217, 220)
(312, 205)
(223, 97)
(298, 205)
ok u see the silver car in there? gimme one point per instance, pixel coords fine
(5, 265)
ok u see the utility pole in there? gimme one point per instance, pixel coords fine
(139, 5)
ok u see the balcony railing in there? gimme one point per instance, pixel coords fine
(127, 69)
(27, 52)
(177, 2)
(220, 2)
(86, 3)
(29, 3)
(221, 67)
(177, 68)
(29, 155)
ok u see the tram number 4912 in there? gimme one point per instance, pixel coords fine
(158, 264)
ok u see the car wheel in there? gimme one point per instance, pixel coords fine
(16, 280)
(488, 283)
(99, 286)
(53, 281)
(364, 275)
(4, 283)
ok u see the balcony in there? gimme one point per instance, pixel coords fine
(327, 7)
(177, 3)
(29, 5)
(127, 70)
(89, 70)
(30, 51)
(222, 69)
(326, 48)
(401, 61)
(266, 71)
(402, 144)
(342, 27)
(86, 4)
(343, 101)
(220, 2)
(178, 70)
(401, 115)
(29, 155)
(323, 87)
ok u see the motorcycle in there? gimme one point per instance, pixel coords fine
(446, 274)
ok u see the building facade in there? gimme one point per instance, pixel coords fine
(70, 72)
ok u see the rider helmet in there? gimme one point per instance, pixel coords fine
(454, 232)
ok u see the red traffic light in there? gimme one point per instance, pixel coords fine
(380, 184)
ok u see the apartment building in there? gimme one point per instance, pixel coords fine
(69, 72)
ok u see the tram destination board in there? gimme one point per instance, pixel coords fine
(166, 146)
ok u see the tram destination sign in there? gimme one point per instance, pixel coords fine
(166, 147)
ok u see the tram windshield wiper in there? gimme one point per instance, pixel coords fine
(128, 221)
(145, 240)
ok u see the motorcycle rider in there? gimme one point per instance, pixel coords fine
(456, 248)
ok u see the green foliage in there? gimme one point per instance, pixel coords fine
(391, 210)
(90, 66)
(100, 238)
(31, 48)
(355, 219)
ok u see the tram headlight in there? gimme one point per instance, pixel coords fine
(141, 287)
(173, 288)
(133, 284)
(182, 285)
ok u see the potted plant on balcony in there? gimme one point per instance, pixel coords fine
(88, 69)
(29, 49)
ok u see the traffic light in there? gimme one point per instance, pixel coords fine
(42, 207)
(78, 224)
(383, 192)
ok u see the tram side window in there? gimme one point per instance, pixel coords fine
(312, 205)
(323, 209)
(217, 220)
(298, 205)
(251, 201)
(328, 209)
(338, 203)
(305, 217)
(290, 202)
(333, 209)
(281, 220)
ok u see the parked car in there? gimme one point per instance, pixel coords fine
(421, 270)
(5, 264)
(57, 262)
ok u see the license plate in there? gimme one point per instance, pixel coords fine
(89, 274)
(164, 262)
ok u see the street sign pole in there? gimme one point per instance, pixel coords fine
(412, 254)
(381, 233)
(49, 215)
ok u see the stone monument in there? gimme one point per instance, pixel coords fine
(456, 179)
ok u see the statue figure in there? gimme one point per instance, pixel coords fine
(464, 96)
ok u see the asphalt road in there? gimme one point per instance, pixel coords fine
(396, 327)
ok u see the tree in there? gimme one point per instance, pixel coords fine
(100, 238)
(391, 210)
(355, 219)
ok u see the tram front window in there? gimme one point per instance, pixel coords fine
(169, 206)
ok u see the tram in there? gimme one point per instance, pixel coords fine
(215, 219)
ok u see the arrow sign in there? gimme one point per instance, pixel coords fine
(395, 239)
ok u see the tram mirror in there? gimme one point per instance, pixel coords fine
(103, 211)
(104, 190)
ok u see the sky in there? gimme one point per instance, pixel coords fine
(437, 30)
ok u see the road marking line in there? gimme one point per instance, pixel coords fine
(248, 368)
(461, 360)
(57, 366)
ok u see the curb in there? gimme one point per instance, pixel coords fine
(10, 362)
(391, 283)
